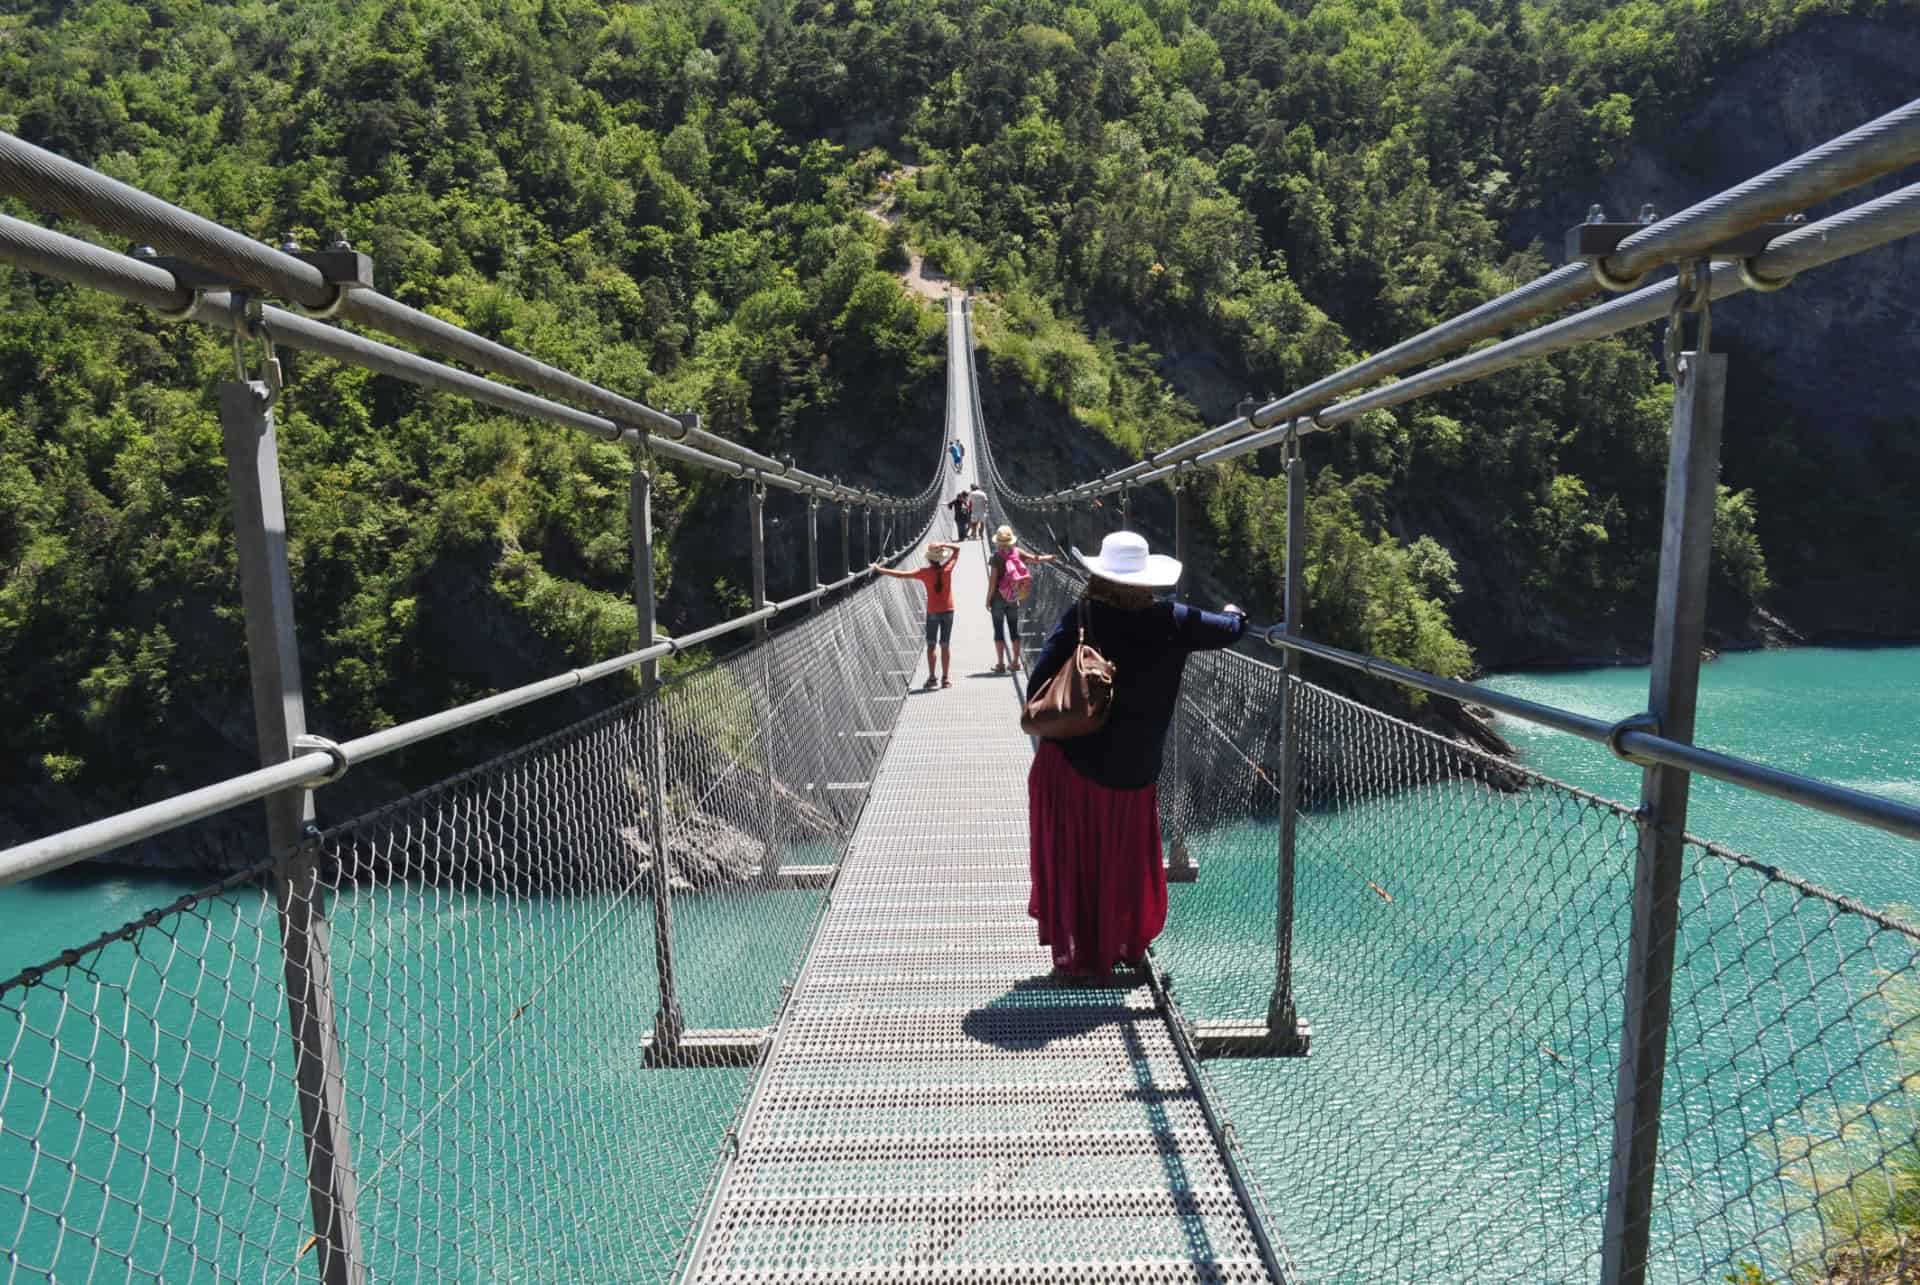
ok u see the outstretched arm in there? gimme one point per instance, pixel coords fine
(1207, 630)
(897, 575)
(1031, 556)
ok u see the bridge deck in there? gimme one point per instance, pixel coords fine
(934, 1106)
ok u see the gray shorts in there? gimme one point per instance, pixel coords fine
(940, 628)
(1006, 620)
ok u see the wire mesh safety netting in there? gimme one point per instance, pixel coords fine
(1459, 936)
(493, 965)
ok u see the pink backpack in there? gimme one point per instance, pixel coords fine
(1016, 582)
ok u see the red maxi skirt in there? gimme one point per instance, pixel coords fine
(1099, 888)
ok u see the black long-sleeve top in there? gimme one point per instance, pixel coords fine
(1149, 650)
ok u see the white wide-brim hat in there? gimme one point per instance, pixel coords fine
(1124, 559)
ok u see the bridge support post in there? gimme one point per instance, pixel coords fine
(669, 1025)
(866, 535)
(1679, 627)
(1180, 867)
(846, 539)
(1289, 1033)
(1180, 536)
(1283, 1033)
(279, 719)
(640, 537)
(757, 545)
(813, 548)
(1126, 508)
(756, 511)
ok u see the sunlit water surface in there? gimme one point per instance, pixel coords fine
(1427, 1138)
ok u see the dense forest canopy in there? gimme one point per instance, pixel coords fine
(676, 199)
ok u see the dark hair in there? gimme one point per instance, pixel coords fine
(1126, 597)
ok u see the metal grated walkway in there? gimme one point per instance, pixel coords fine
(934, 1107)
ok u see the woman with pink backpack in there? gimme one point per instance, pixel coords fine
(1009, 582)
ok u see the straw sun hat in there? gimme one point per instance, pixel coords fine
(1123, 559)
(938, 553)
(1004, 535)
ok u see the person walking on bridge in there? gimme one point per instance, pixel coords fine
(1008, 584)
(962, 506)
(1099, 889)
(978, 499)
(937, 576)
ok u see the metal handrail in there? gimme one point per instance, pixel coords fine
(1863, 227)
(321, 767)
(63, 187)
(1637, 745)
(68, 258)
(1878, 147)
(983, 446)
(76, 190)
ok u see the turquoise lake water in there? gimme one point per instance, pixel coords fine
(1457, 951)
(1851, 717)
(502, 1122)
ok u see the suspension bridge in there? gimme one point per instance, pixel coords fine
(733, 981)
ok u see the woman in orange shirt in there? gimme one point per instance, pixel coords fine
(937, 576)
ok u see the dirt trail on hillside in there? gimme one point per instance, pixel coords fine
(929, 285)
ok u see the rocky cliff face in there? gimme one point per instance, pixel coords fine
(1823, 398)
(1823, 389)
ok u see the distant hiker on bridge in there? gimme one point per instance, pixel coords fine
(962, 506)
(980, 511)
(937, 576)
(1099, 888)
(1009, 584)
(958, 452)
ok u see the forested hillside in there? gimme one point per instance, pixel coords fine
(1167, 204)
(1210, 199)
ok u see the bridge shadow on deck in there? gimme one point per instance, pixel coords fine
(1039, 1011)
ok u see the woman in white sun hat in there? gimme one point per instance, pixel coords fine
(1099, 888)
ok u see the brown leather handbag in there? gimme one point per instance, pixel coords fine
(1077, 699)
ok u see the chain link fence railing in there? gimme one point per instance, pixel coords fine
(1459, 934)
(1458, 937)
(1460, 930)
(493, 963)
